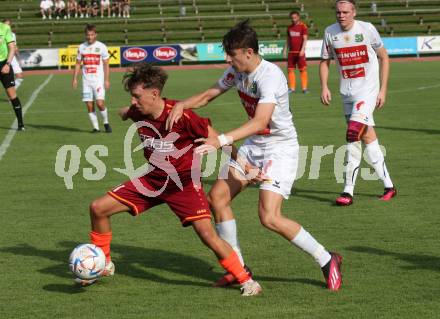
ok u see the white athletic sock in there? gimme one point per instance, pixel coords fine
(94, 120)
(104, 116)
(306, 242)
(18, 82)
(353, 159)
(227, 231)
(377, 160)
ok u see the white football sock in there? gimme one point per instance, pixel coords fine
(306, 242)
(377, 160)
(227, 231)
(353, 159)
(94, 120)
(104, 116)
(18, 82)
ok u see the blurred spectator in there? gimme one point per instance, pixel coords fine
(94, 8)
(72, 8)
(83, 8)
(105, 6)
(60, 9)
(373, 7)
(182, 9)
(46, 9)
(126, 8)
(383, 23)
(116, 8)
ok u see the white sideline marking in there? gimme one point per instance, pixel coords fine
(420, 88)
(12, 131)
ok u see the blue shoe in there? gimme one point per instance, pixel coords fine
(291, 91)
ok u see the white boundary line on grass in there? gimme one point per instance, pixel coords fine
(12, 131)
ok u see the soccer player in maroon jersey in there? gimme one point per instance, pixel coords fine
(295, 50)
(174, 179)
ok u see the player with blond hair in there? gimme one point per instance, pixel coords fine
(359, 53)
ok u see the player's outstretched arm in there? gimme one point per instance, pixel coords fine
(326, 95)
(193, 102)
(384, 62)
(259, 122)
(253, 173)
(123, 113)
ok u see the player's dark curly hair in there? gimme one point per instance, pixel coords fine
(147, 75)
(241, 36)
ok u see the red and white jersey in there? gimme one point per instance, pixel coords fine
(355, 54)
(266, 84)
(92, 57)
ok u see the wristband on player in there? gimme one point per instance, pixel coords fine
(225, 140)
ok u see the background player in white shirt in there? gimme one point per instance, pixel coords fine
(271, 147)
(15, 64)
(355, 46)
(94, 57)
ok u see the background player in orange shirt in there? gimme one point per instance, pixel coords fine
(295, 50)
(174, 179)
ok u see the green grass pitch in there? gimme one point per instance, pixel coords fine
(391, 250)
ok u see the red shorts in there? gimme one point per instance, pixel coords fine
(294, 60)
(188, 204)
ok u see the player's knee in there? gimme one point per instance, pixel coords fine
(355, 130)
(217, 200)
(269, 221)
(96, 210)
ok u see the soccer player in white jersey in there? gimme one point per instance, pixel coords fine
(271, 146)
(356, 47)
(94, 57)
(15, 64)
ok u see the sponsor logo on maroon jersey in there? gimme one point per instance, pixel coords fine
(353, 73)
(352, 55)
(135, 54)
(159, 145)
(165, 53)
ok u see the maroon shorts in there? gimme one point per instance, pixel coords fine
(294, 60)
(188, 204)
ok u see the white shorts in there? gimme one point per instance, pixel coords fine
(360, 109)
(93, 91)
(16, 66)
(279, 163)
(105, 4)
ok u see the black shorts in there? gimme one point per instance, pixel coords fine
(7, 79)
